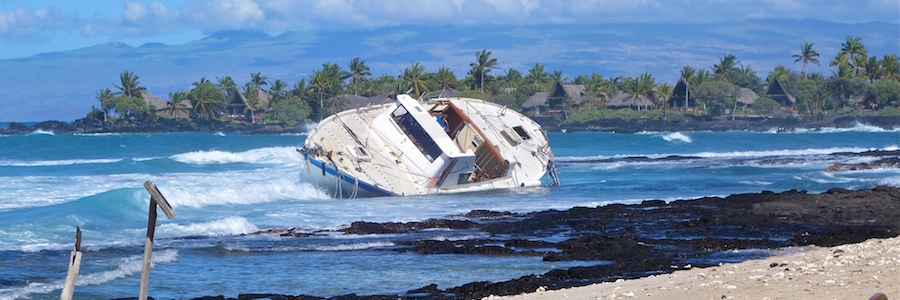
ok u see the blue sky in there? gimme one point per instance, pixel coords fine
(29, 27)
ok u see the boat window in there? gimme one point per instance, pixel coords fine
(416, 133)
(522, 133)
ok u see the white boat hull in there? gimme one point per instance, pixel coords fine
(412, 148)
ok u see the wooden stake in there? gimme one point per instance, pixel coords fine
(74, 266)
(156, 199)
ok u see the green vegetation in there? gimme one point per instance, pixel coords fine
(859, 85)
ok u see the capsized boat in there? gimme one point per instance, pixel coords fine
(411, 147)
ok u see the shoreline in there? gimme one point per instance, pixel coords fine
(729, 240)
(754, 124)
(851, 271)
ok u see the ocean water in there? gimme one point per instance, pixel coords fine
(224, 186)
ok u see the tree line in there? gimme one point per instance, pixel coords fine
(860, 83)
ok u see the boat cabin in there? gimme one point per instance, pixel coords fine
(442, 142)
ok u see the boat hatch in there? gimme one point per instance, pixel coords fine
(416, 133)
(522, 133)
(360, 153)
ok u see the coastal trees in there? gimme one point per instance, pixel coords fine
(227, 85)
(358, 72)
(130, 85)
(105, 96)
(175, 99)
(807, 55)
(207, 99)
(414, 79)
(727, 64)
(716, 96)
(661, 96)
(891, 65)
(482, 65)
(133, 109)
(291, 111)
(537, 78)
(444, 79)
(326, 83)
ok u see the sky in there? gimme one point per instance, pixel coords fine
(29, 27)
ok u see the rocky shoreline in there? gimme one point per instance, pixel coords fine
(760, 124)
(639, 240)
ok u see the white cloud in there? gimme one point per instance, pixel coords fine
(142, 18)
(31, 25)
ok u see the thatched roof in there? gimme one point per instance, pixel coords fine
(182, 110)
(574, 92)
(238, 100)
(538, 99)
(681, 90)
(622, 99)
(778, 93)
(747, 97)
(153, 100)
(346, 101)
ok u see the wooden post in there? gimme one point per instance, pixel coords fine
(156, 199)
(74, 265)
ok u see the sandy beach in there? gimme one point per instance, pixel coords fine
(853, 271)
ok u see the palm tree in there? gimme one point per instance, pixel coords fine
(687, 73)
(415, 78)
(702, 77)
(853, 47)
(199, 82)
(727, 64)
(130, 87)
(663, 92)
(859, 63)
(175, 99)
(512, 79)
(558, 76)
(359, 72)
(872, 68)
(227, 85)
(300, 89)
(891, 65)
(277, 92)
(105, 96)
(843, 71)
(840, 59)
(321, 84)
(537, 77)
(641, 86)
(207, 100)
(483, 64)
(445, 78)
(807, 54)
(257, 80)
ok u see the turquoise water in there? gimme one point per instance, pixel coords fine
(225, 185)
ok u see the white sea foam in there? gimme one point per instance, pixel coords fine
(351, 247)
(63, 162)
(239, 189)
(272, 155)
(226, 226)
(128, 266)
(677, 137)
(42, 132)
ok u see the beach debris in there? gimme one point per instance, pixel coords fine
(156, 199)
(74, 266)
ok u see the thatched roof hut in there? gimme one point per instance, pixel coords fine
(239, 108)
(181, 110)
(778, 93)
(747, 97)
(682, 96)
(622, 99)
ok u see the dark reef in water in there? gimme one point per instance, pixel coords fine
(653, 237)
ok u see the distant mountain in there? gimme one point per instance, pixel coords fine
(62, 85)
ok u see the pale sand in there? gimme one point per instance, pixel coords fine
(855, 271)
